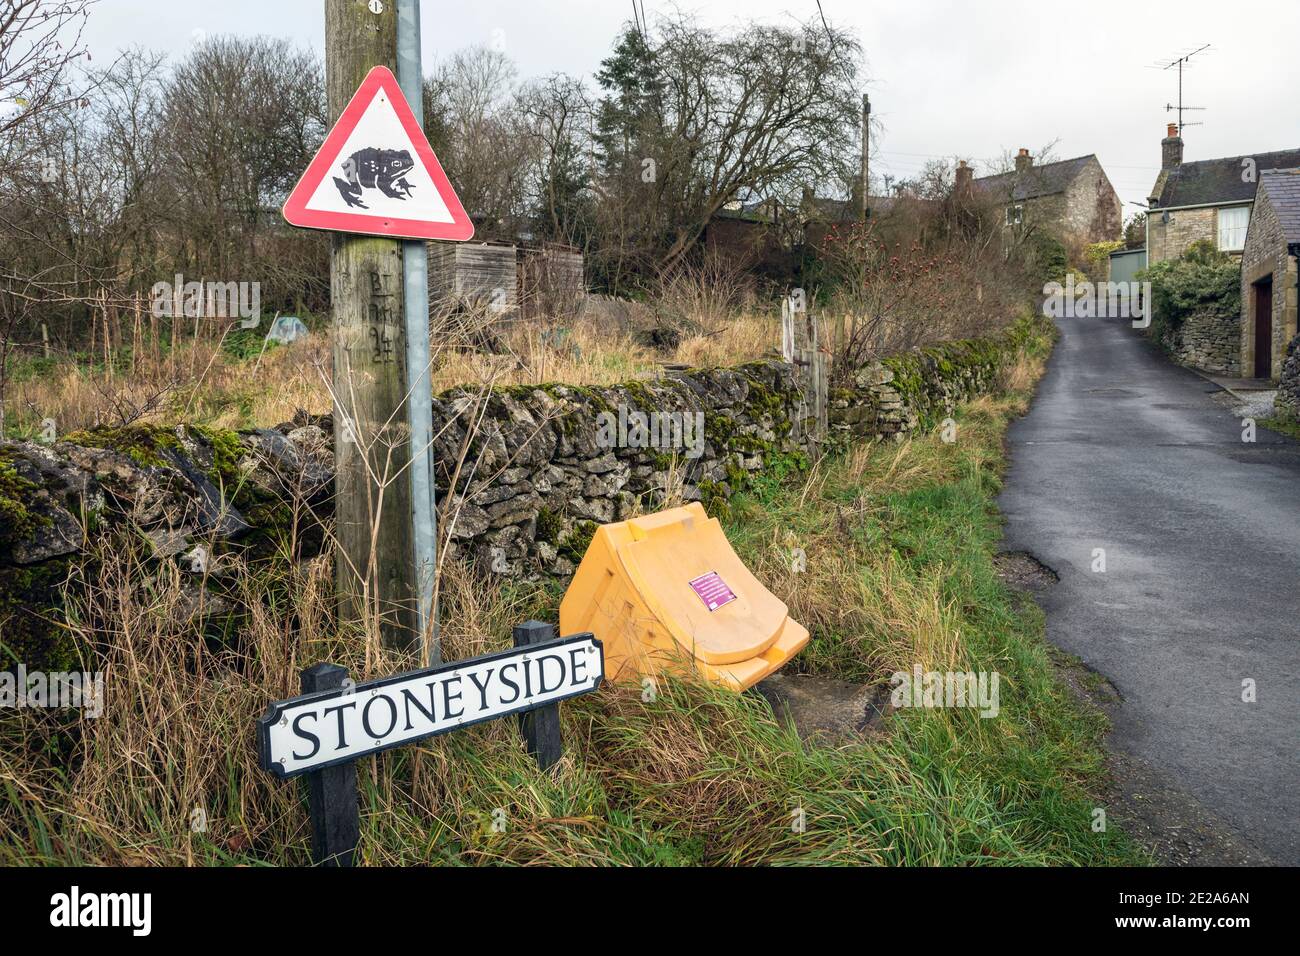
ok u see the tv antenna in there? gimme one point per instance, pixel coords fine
(1169, 107)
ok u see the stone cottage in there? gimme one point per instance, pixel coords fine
(1268, 273)
(1207, 199)
(1072, 199)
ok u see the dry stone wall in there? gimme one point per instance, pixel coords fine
(1287, 401)
(536, 469)
(1207, 340)
(525, 474)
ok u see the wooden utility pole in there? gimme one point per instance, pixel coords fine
(375, 570)
(865, 211)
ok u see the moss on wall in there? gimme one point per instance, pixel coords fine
(29, 619)
(17, 520)
(29, 632)
(574, 545)
(143, 444)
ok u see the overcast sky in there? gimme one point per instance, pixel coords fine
(946, 78)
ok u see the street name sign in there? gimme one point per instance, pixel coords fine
(325, 729)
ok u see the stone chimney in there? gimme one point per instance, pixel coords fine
(963, 187)
(1023, 160)
(807, 204)
(1171, 149)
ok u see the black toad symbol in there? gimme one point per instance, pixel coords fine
(382, 169)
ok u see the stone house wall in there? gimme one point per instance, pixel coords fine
(1170, 240)
(1046, 213)
(1093, 210)
(1266, 254)
(1088, 210)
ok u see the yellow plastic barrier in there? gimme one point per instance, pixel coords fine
(665, 592)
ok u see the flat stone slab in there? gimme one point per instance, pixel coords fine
(834, 711)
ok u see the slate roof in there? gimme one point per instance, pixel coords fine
(1045, 180)
(846, 210)
(1215, 181)
(1282, 186)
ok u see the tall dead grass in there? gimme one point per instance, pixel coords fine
(699, 298)
(695, 775)
(200, 381)
(197, 381)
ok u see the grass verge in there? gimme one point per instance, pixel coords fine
(899, 543)
(1283, 426)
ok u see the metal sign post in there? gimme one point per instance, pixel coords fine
(415, 268)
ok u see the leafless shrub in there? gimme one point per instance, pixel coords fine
(700, 298)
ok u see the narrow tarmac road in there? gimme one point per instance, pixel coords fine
(1123, 451)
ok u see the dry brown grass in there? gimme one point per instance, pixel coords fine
(1022, 375)
(176, 732)
(200, 382)
(196, 382)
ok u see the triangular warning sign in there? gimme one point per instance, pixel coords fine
(376, 173)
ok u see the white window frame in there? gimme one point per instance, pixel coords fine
(1015, 215)
(1230, 235)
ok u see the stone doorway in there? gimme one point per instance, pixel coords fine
(1263, 294)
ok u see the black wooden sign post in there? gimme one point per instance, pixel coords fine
(540, 727)
(322, 733)
(332, 792)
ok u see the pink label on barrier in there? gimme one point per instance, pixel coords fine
(713, 591)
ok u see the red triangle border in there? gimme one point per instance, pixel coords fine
(295, 209)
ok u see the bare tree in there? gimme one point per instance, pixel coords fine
(469, 116)
(693, 120)
(244, 117)
(76, 197)
(556, 117)
(40, 41)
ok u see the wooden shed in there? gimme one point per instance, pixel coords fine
(474, 274)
